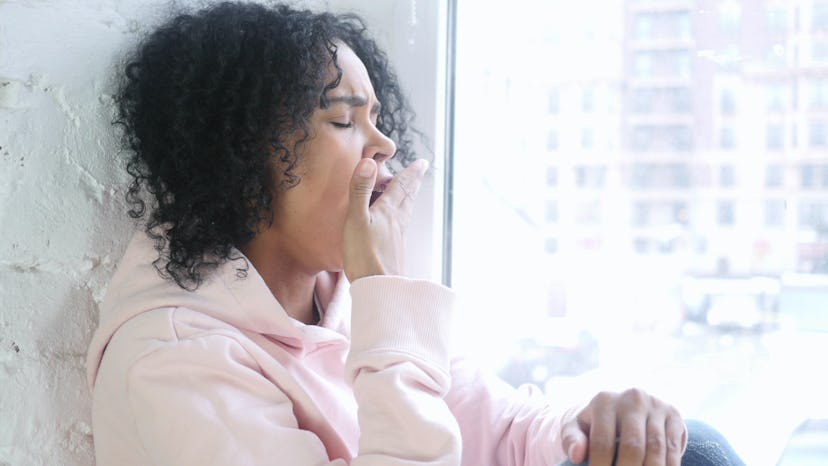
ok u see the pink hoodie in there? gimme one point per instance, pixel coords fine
(223, 376)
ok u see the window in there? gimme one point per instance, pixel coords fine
(813, 215)
(552, 140)
(727, 138)
(775, 97)
(643, 65)
(662, 26)
(775, 137)
(661, 100)
(590, 176)
(727, 176)
(807, 176)
(730, 13)
(777, 20)
(551, 177)
(587, 138)
(644, 26)
(551, 245)
(774, 176)
(775, 213)
(818, 134)
(819, 16)
(554, 101)
(703, 192)
(588, 212)
(588, 100)
(551, 211)
(728, 102)
(819, 94)
(819, 51)
(725, 213)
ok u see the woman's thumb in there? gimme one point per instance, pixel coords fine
(574, 442)
(362, 185)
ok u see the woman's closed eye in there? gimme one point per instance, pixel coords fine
(339, 124)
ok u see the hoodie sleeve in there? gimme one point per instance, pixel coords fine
(502, 425)
(205, 401)
(399, 366)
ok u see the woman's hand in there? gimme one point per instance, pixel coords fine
(645, 430)
(373, 239)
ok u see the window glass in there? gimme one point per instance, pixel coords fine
(818, 133)
(637, 209)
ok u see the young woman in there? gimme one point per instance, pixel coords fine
(260, 317)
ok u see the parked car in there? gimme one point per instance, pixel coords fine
(732, 303)
(557, 347)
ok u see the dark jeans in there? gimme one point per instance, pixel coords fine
(705, 447)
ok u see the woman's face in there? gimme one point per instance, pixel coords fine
(308, 219)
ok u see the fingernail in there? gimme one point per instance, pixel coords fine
(366, 169)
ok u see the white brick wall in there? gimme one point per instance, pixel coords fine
(62, 221)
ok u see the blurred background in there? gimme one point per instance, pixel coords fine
(640, 198)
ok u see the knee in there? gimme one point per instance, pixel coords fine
(707, 447)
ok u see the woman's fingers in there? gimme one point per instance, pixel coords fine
(603, 432)
(403, 188)
(574, 441)
(627, 429)
(374, 234)
(656, 440)
(675, 432)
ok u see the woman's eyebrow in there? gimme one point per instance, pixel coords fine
(354, 101)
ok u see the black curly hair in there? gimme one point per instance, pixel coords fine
(209, 106)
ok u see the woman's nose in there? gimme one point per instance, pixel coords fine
(381, 147)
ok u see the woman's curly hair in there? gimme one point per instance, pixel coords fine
(209, 106)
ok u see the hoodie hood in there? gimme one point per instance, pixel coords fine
(244, 302)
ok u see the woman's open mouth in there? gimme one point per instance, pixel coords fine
(379, 188)
(374, 196)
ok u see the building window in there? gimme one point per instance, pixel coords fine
(588, 100)
(775, 97)
(813, 215)
(551, 214)
(818, 134)
(590, 176)
(725, 213)
(775, 212)
(587, 138)
(819, 16)
(727, 138)
(777, 20)
(730, 15)
(552, 140)
(807, 176)
(554, 102)
(551, 245)
(680, 100)
(819, 51)
(644, 26)
(643, 65)
(642, 101)
(819, 94)
(727, 176)
(775, 137)
(551, 176)
(774, 176)
(588, 213)
(660, 176)
(728, 102)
